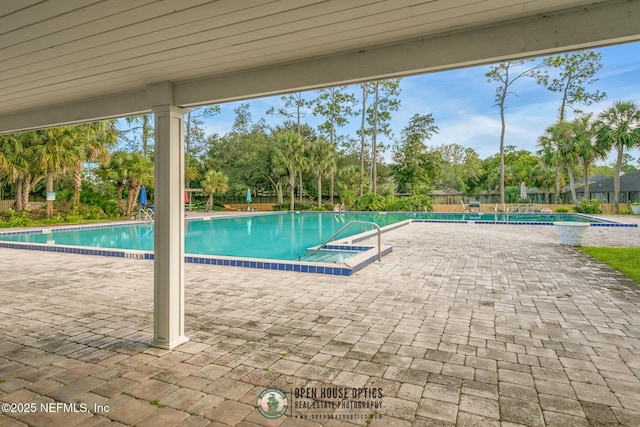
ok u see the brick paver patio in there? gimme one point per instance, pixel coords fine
(466, 325)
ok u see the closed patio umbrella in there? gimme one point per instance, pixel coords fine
(143, 196)
(523, 191)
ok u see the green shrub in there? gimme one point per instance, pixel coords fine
(64, 194)
(18, 219)
(371, 202)
(390, 202)
(94, 213)
(589, 206)
(561, 210)
(108, 205)
(417, 203)
(73, 218)
(56, 219)
(349, 198)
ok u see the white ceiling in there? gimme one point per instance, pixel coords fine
(70, 60)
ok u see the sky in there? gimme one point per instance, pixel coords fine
(461, 101)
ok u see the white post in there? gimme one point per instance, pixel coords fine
(169, 228)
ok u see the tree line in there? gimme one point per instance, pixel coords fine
(294, 159)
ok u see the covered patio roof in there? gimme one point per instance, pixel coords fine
(68, 61)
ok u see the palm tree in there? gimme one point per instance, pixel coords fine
(563, 150)
(13, 163)
(587, 148)
(116, 171)
(191, 172)
(93, 140)
(277, 172)
(214, 182)
(542, 177)
(568, 150)
(551, 156)
(349, 184)
(140, 172)
(53, 155)
(10, 147)
(291, 154)
(619, 127)
(321, 163)
(29, 174)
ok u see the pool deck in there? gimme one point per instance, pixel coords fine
(472, 324)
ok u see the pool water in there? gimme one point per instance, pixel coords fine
(284, 236)
(281, 236)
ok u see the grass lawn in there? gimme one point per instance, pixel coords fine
(625, 260)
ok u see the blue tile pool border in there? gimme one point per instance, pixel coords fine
(478, 219)
(370, 255)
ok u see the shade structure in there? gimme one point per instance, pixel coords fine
(143, 196)
(248, 195)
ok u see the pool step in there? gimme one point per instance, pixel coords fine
(329, 256)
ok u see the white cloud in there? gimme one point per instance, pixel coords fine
(462, 103)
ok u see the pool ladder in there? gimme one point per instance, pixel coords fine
(347, 225)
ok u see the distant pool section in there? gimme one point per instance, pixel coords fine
(275, 241)
(514, 218)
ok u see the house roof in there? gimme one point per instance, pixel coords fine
(592, 179)
(628, 182)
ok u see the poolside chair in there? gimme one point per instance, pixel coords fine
(469, 207)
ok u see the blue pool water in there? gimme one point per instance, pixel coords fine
(282, 236)
(274, 236)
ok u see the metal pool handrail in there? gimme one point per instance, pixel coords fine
(345, 227)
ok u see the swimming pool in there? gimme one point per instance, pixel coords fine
(285, 236)
(274, 241)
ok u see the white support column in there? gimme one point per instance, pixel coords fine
(169, 228)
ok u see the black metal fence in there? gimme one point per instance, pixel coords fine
(536, 198)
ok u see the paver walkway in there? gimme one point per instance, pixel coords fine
(466, 325)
